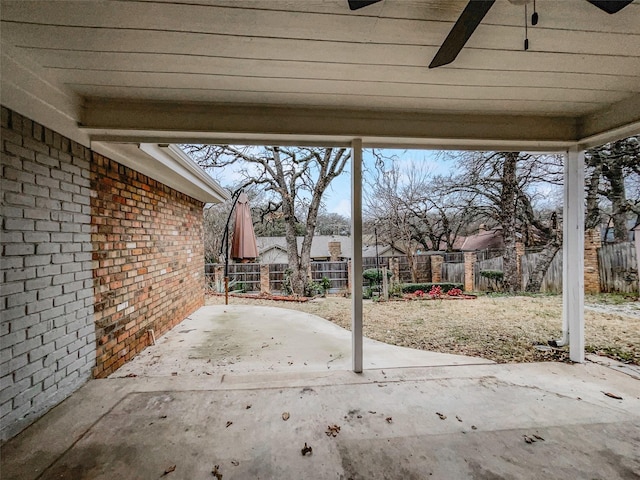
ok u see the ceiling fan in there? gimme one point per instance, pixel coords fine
(471, 17)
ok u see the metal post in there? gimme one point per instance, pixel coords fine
(356, 252)
(225, 243)
(375, 234)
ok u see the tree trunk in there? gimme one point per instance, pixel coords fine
(508, 221)
(618, 197)
(540, 270)
(592, 216)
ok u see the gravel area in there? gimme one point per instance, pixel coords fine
(503, 328)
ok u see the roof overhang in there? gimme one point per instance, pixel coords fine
(134, 84)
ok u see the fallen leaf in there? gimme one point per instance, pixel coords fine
(458, 418)
(247, 407)
(442, 417)
(168, 470)
(613, 395)
(229, 423)
(306, 449)
(473, 427)
(332, 430)
(174, 374)
(528, 439)
(235, 463)
(372, 412)
(538, 437)
(285, 416)
(131, 375)
(389, 419)
(216, 472)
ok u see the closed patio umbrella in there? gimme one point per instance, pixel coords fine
(244, 246)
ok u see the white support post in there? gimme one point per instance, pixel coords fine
(356, 253)
(573, 254)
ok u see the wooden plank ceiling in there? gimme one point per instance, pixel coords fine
(317, 54)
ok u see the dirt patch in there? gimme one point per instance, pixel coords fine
(503, 329)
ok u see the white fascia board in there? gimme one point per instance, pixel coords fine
(190, 166)
(167, 166)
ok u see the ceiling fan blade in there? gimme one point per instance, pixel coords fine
(358, 4)
(469, 20)
(610, 6)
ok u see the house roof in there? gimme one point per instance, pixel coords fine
(310, 72)
(486, 240)
(320, 246)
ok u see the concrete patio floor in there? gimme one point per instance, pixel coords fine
(448, 420)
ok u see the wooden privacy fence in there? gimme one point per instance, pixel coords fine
(422, 264)
(336, 272)
(618, 268)
(483, 284)
(453, 272)
(552, 282)
(276, 276)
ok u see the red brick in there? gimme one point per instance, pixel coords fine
(130, 207)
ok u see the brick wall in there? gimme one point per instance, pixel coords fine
(149, 256)
(592, 244)
(47, 330)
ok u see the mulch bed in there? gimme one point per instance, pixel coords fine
(264, 296)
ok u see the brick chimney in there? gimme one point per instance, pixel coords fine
(335, 251)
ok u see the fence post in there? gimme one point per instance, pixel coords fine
(470, 259)
(265, 285)
(519, 255)
(591, 269)
(385, 284)
(395, 270)
(349, 276)
(436, 268)
(218, 277)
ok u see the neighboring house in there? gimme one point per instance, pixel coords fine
(607, 233)
(383, 251)
(324, 248)
(483, 240)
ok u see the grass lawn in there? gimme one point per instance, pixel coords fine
(500, 328)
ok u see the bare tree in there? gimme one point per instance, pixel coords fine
(214, 219)
(293, 177)
(611, 169)
(433, 218)
(331, 223)
(501, 186)
(385, 208)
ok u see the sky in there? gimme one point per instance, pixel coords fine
(338, 196)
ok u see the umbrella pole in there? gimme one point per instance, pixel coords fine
(226, 290)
